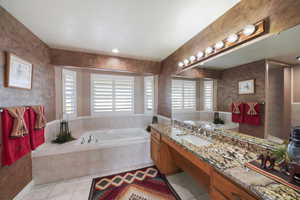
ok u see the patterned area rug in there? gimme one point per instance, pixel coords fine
(142, 184)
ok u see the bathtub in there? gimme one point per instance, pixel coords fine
(113, 136)
(97, 153)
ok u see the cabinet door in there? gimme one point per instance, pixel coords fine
(155, 151)
(216, 195)
(229, 189)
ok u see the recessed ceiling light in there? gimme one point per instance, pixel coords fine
(298, 58)
(115, 50)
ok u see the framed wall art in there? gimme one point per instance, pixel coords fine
(247, 87)
(18, 72)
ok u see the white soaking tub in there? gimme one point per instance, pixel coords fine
(113, 136)
(99, 152)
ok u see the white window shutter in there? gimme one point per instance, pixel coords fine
(208, 94)
(183, 95)
(189, 93)
(149, 93)
(124, 93)
(69, 93)
(111, 94)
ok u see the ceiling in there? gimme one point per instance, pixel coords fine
(138, 28)
(284, 47)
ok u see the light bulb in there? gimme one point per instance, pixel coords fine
(219, 45)
(200, 54)
(249, 30)
(192, 58)
(232, 38)
(180, 64)
(186, 61)
(209, 50)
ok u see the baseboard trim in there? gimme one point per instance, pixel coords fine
(24, 191)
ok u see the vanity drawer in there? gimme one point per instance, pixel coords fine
(229, 189)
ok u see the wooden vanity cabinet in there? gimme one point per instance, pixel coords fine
(161, 155)
(155, 148)
(216, 195)
(223, 188)
(170, 158)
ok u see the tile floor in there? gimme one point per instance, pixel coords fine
(79, 188)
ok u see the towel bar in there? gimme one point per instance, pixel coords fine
(1, 109)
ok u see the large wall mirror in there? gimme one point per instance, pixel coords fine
(264, 75)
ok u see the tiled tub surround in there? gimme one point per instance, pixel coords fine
(122, 143)
(81, 125)
(225, 144)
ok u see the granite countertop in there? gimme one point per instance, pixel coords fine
(229, 158)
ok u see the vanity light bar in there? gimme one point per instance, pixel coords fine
(249, 32)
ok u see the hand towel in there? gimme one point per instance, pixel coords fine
(19, 126)
(15, 146)
(252, 113)
(237, 110)
(37, 126)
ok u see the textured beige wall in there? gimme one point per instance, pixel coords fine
(295, 114)
(295, 83)
(16, 38)
(275, 92)
(228, 84)
(60, 57)
(139, 95)
(228, 91)
(199, 95)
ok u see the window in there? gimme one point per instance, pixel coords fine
(69, 93)
(183, 95)
(149, 93)
(111, 93)
(208, 94)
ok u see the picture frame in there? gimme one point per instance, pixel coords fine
(246, 87)
(19, 72)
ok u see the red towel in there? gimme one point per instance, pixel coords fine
(14, 148)
(237, 110)
(252, 113)
(37, 134)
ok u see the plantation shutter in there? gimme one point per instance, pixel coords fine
(111, 93)
(183, 95)
(208, 95)
(149, 93)
(189, 95)
(124, 93)
(69, 93)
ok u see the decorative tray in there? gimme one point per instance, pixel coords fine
(275, 173)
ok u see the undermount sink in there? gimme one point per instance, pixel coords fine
(197, 141)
